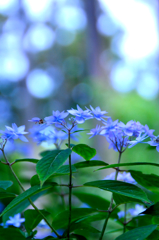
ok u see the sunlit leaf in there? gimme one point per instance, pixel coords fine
(50, 163)
(84, 151)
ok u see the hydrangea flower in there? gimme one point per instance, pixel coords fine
(80, 115)
(137, 210)
(98, 114)
(57, 117)
(121, 214)
(14, 133)
(37, 133)
(95, 131)
(154, 142)
(14, 221)
(125, 177)
(127, 128)
(133, 211)
(139, 139)
(109, 126)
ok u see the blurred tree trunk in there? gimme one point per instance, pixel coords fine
(93, 39)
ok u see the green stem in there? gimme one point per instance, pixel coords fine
(124, 229)
(21, 186)
(111, 202)
(70, 188)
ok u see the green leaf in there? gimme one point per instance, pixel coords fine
(11, 234)
(50, 163)
(32, 218)
(153, 236)
(71, 145)
(129, 164)
(97, 217)
(22, 206)
(35, 180)
(32, 160)
(25, 195)
(146, 180)
(7, 195)
(152, 210)
(44, 153)
(84, 151)
(138, 233)
(65, 169)
(94, 201)
(83, 226)
(120, 199)
(5, 184)
(92, 163)
(61, 220)
(119, 187)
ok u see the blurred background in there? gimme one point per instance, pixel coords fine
(55, 54)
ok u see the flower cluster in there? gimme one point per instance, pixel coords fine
(120, 136)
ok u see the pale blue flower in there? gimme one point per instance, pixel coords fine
(57, 117)
(95, 131)
(14, 133)
(110, 125)
(139, 139)
(154, 142)
(121, 214)
(124, 177)
(15, 221)
(80, 115)
(137, 210)
(97, 113)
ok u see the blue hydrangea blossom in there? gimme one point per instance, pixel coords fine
(14, 133)
(80, 115)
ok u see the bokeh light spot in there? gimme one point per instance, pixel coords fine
(148, 86)
(122, 78)
(39, 37)
(14, 65)
(71, 18)
(40, 84)
(38, 10)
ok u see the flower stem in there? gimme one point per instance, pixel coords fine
(111, 203)
(31, 202)
(70, 187)
(124, 229)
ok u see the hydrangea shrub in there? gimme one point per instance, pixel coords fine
(126, 186)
